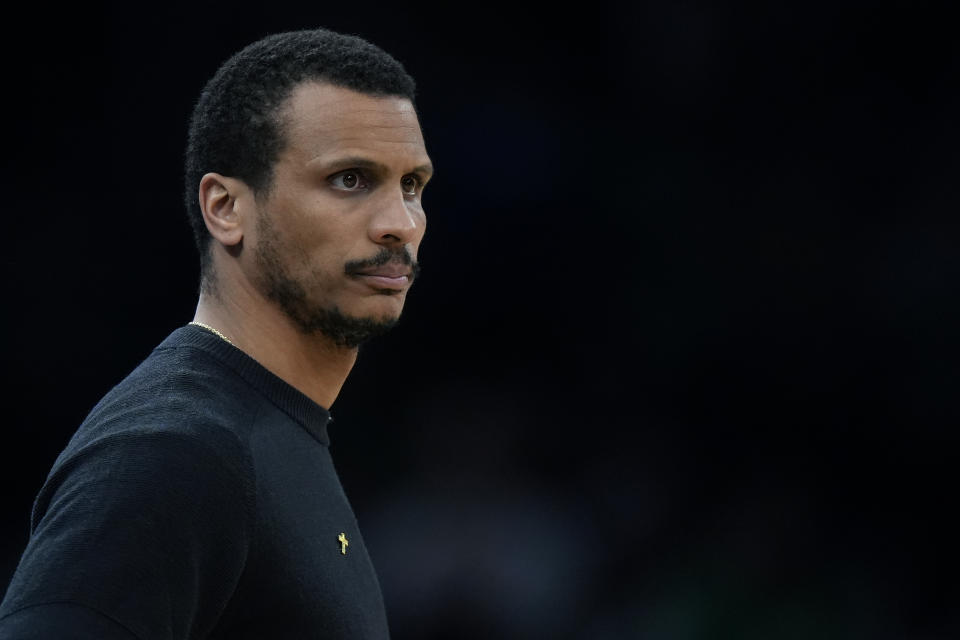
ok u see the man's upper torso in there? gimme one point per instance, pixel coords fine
(198, 499)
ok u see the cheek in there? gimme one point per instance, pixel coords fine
(323, 259)
(314, 242)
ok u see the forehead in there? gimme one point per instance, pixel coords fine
(320, 119)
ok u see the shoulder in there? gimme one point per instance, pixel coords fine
(149, 525)
(179, 417)
(146, 460)
(177, 390)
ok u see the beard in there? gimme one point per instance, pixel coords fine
(291, 295)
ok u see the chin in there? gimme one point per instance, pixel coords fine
(385, 306)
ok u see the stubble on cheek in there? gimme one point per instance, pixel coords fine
(292, 295)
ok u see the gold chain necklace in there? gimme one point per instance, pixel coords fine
(211, 329)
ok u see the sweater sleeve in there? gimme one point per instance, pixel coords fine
(61, 620)
(145, 534)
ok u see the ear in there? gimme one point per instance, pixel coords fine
(220, 202)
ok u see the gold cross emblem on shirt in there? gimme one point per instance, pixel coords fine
(344, 543)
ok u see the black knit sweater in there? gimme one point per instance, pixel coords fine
(197, 500)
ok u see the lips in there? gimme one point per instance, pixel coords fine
(391, 277)
(392, 270)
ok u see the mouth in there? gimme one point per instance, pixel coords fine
(384, 283)
(387, 278)
(389, 272)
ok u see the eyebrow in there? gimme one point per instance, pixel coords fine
(372, 165)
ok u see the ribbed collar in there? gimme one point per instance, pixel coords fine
(302, 409)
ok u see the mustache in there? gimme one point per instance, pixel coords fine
(399, 255)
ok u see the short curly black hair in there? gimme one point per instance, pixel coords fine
(235, 129)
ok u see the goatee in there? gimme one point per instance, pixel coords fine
(291, 296)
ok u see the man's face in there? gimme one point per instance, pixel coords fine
(336, 239)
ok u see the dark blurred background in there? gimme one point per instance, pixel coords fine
(682, 362)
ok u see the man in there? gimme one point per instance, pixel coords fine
(198, 498)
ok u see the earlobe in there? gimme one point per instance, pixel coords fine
(218, 201)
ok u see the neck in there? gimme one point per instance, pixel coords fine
(312, 364)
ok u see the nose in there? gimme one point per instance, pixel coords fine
(397, 220)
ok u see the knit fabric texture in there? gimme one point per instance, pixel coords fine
(197, 500)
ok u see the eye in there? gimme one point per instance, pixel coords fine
(409, 184)
(349, 180)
